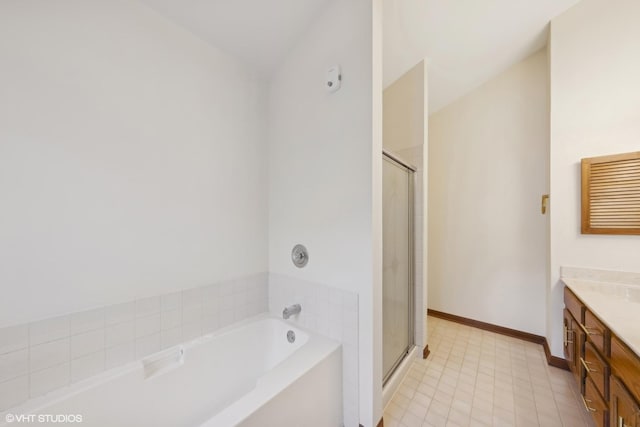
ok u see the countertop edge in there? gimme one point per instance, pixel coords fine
(574, 285)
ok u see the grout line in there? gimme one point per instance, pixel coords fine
(451, 344)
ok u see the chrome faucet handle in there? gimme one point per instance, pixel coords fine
(299, 256)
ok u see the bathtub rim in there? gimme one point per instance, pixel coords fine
(39, 403)
(275, 381)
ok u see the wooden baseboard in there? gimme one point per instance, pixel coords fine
(557, 362)
(552, 360)
(425, 352)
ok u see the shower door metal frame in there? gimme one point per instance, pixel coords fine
(411, 171)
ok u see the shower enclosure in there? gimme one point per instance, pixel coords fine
(398, 262)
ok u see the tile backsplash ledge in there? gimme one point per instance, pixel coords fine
(45, 355)
(606, 276)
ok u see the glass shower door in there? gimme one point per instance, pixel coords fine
(397, 243)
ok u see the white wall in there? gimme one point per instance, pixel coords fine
(595, 110)
(487, 237)
(404, 110)
(132, 158)
(324, 174)
(405, 127)
(320, 153)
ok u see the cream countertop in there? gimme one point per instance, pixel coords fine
(616, 305)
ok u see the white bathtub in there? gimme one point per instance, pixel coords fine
(246, 375)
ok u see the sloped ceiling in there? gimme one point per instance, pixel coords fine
(465, 42)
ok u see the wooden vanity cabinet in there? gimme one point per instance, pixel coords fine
(571, 332)
(607, 371)
(573, 337)
(598, 333)
(595, 404)
(625, 364)
(624, 410)
(573, 305)
(596, 368)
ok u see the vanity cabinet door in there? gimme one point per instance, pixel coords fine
(626, 366)
(624, 410)
(573, 339)
(568, 341)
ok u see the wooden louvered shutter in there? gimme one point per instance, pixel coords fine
(611, 194)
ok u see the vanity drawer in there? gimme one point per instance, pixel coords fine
(573, 304)
(594, 404)
(626, 365)
(596, 332)
(597, 369)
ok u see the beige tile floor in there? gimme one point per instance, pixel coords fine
(479, 378)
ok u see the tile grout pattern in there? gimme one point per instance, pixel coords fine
(327, 311)
(479, 378)
(49, 354)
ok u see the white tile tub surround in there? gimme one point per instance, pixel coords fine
(266, 382)
(327, 311)
(46, 355)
